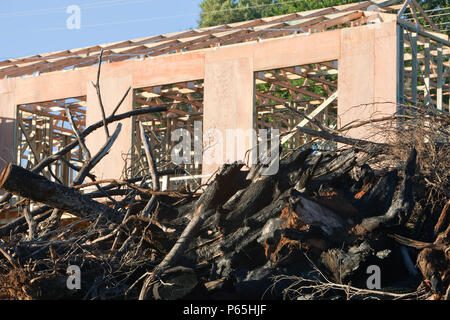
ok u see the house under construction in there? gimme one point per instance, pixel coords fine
(336, 65)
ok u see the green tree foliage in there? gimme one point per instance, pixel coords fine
(431, 4)
(439, 17)
(217, 12)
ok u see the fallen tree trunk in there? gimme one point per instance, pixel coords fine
(217, 193)
(24, 183)
(264, 190)
(58, 155)
(402, 206)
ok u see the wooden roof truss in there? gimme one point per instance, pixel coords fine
(266, 28)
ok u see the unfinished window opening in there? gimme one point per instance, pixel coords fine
(310, 89)
(42, 129)
(185, 109)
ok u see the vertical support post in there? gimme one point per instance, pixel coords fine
(368, 77)
(414, 65)
(228, 104)
(35, 139)
(8, 125)
(297, 134)
(165, 183)
(18, 139)
(401, 67)
(168, 134)
(137, 147)
(426, 76)
(439, 79)
(64, 167)
(290, 126)
(189, 126)
(48, 136)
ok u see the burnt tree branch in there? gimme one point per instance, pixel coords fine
(24, 183)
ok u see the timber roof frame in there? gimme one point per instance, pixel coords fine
(260, 29)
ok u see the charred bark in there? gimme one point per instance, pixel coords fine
(26, 184)
(402, 206)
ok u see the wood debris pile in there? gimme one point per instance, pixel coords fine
(311, 231)
(342, 224)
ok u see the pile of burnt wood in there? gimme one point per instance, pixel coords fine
(327, 225)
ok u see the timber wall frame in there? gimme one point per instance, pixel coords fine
(184, 103)
(42, 129)
(365, 44)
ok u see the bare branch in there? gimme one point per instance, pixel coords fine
(30, 221)
(99, 94)
(120, 102)
(152, 168)
(78, 134)
(96, 159)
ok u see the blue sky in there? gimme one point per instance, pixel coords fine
(33, 27)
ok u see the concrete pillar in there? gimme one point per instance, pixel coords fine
(367, 80)
(112, 88)
(228, 104)
(7, 121)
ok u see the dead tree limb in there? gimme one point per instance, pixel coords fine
(5, 198)
(35, 153)
(51, 223)
(263, 191)
(215, 195)
(99, 94)
(428, 262)
(75, 168)
(32, 226)
(22, 182)
(50, 159)
(152, 168)
(118, 183)
(78, 135)
(89, 165)
(178, 249)
(367, 146)
(432, 259)
(5, 230)
(444, 219)
(84, 171)
(120, 102)
(402, 206)
(359, 123)
(7, 255)
(58, 155)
